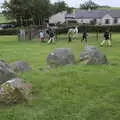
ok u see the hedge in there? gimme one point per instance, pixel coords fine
(10, 31)
(61, 30)
(90, 28)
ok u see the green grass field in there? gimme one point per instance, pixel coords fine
(3, 19)
(77, 92)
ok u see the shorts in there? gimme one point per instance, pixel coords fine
(106, 38)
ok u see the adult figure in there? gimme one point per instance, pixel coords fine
(22, 33)
(51, 36)
(84, 37)
(107, 38)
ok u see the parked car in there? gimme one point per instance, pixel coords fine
(4, 26)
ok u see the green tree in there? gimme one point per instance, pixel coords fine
(15, 9)
(70, 10)
(39, 9)
(59, 6)
(89, 5)
(21, 10)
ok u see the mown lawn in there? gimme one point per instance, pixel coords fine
(77, 92)
(3, 19)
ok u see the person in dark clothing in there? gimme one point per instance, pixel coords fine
(84, 37)
(69, 38)
(107, 37)
(51, 37)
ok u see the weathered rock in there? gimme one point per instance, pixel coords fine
(6, 73)
(92, 55)
(15, 91)
(60, 57)
(20, 66)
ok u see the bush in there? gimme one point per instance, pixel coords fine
(89, 28)
(61, 30)
(92, 28)
(64, 29)
(10, 31)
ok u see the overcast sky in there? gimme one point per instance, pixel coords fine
(76, 3)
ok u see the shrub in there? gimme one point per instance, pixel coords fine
(9, 31)
(89, 28)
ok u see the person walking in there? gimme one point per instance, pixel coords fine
(51, 37)
(107, 37)
(84, 37)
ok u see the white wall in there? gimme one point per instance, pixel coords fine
(98, 21)
(59, 17)
(107, 16)
(118, 21)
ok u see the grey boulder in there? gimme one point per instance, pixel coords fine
(92, 55)
(20, 66)
(6, 73)
(60, 57)
(15, 91)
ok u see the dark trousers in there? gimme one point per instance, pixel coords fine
(84, 39)
(69, 39)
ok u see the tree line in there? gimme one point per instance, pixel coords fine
(31, 10)
(38, 11)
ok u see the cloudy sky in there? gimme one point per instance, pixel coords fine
(76, 3)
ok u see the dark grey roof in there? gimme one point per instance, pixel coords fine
(94, 13)
(114, 13)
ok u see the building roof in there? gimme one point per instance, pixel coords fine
(93, 13)
(70, 16)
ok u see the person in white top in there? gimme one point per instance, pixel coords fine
(41, 36)
(22, 33)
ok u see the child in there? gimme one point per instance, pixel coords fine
(41, 36)
(106, 38)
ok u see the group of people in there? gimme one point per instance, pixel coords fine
(73, 32)
(47, 34)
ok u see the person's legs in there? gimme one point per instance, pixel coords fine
(41, 39)
(53, 39)
(49, 41)
(86, 41)
(24, 35)
(69, 39)
(109, 43)
(82, 39)
(102, 43)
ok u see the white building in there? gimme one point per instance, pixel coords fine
(58, 18)
(98, 17)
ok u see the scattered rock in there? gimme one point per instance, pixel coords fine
(15, 91)
(20, 66)
(6, 73)
(92, 55)
(60, 57)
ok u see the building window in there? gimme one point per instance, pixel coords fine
(107, 21)
(115, 20)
